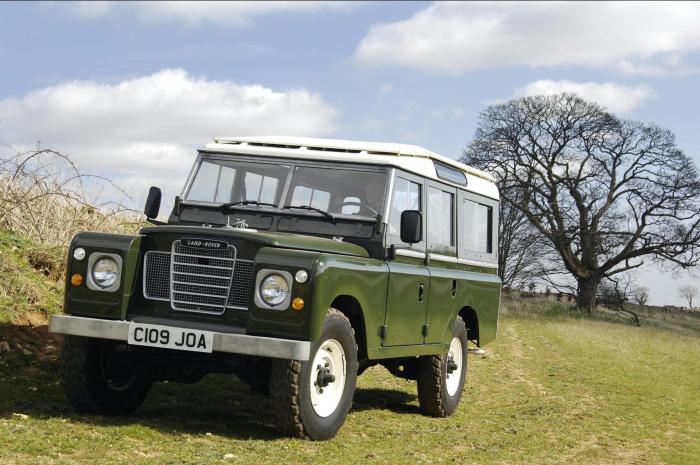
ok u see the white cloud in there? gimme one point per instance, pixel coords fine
(617, 98)
(456, 37)
(145, 130)
(193, 12)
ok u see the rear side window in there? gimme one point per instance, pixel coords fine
(440, 217)
(476, 233)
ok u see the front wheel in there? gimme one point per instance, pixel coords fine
(96, 381)
(312, 398)
(441, 377)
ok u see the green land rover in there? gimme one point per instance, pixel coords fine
(294, 264)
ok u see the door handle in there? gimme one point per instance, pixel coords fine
(454, 287)
(421, 292)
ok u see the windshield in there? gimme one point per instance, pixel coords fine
(339, 191)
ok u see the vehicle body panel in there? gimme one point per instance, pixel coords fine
(407, 302)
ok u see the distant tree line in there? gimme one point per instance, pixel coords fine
(586, 196)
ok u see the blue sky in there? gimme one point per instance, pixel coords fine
(129, 88)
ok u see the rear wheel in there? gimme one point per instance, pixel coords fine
(312, 398)
(96, 381)
(441, 377)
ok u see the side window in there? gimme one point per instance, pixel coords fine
(476, 233)
(406, 196)
(440, 218)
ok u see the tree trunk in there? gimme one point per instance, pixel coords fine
(587, 291)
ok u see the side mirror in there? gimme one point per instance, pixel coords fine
(153, 202)
(411, 226)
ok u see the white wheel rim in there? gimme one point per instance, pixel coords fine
(453, 379)
(331, 357)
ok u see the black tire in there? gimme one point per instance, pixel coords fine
(432, 375)
(96, 382)
(290, 385)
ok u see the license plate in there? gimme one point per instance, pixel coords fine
(167, 337)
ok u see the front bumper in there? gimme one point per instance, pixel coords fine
(118, 330)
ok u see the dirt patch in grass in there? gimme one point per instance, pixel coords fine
(47, 262)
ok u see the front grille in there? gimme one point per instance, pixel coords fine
(156, 275)
(190, 267)
(198, 280)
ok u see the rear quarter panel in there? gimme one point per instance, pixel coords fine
(476, 290)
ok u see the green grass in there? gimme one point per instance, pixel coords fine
(31, 283)
(549, 391)
(680, 321)
(556, 387)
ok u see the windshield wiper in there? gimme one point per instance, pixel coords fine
(310, 208)
(225, 206)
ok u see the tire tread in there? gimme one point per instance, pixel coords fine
(430, 381)
(83, 386)
(285, 390)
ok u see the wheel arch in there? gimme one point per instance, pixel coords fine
(351, 308)
(471, 320)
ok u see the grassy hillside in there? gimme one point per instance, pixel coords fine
(552, 389)
(31, 286)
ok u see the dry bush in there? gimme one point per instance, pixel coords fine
(44, 197)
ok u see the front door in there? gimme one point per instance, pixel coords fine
(407, 300)
(409, 280)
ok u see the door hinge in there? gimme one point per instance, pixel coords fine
(382, 331)
(426, 329)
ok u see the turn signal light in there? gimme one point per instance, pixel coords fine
(76, 280)
(298, 304)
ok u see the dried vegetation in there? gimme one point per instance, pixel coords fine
(45, 198)
(44, 201)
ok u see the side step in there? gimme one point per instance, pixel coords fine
(476, 351)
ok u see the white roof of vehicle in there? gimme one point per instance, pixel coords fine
(408, 157)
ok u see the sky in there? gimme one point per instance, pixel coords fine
(131, 90)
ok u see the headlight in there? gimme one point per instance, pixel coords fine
(105, 272)
(274, 290)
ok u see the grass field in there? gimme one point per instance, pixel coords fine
(548, 391)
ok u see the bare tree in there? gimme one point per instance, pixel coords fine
(605, 193)
(615, 291)
(641, 297)
(689, 293)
